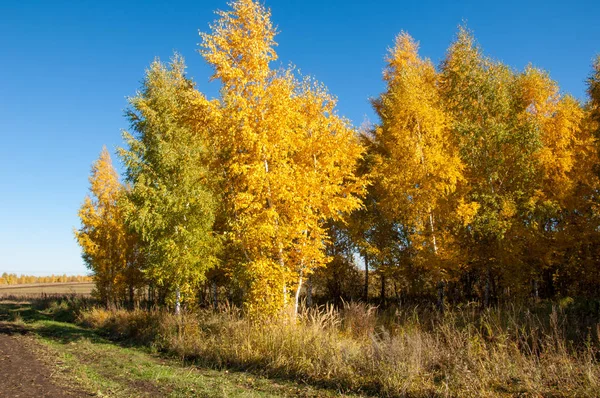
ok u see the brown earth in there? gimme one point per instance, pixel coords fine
(22, 372)
(47, 289)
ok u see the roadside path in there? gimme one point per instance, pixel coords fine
(43, 357)
(22, 373)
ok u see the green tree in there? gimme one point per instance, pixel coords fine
(170, 205)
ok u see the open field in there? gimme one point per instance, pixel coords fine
(40, 289)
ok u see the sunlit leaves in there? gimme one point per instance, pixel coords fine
(109, 249)
(286, 158)
(416, 166)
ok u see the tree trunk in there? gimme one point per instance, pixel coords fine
(279, 244)
(486, 297)
(435, 249)
(468, 288)
(282, 265)
(382, 294)
(398, 301)
(213, 286)
(297, 301)
(309, 292)
(366, 293)
(177, 301)
(441, 296)
(131, 295)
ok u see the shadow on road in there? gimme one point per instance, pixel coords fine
(17, 317)
(12, 329)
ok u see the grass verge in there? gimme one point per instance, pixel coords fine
(465, 352)
(537, 350)
(81, 356)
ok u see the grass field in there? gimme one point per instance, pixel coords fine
(40, 289)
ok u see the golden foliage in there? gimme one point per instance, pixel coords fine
(286, 158)
(108, 248)
(418, 167)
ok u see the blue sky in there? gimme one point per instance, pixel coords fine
(67, 68)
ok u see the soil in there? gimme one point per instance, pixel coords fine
(22, 372)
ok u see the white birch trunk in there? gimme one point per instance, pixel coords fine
(177, 301)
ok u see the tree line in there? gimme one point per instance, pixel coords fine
(478, 182)
(14, 279)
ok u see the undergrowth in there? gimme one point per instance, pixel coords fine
(547, 350)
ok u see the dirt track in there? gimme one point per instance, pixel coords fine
(22, 373)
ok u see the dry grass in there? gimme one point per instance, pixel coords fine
(466, 352)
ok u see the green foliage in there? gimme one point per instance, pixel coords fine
(496, 146)
(169, 204)
(479, 182)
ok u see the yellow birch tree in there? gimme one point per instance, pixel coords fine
(418, 168)
(108, 249)
(285, 158)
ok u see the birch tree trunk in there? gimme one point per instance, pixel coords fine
(177, 301)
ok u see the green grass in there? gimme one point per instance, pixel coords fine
(104, 368)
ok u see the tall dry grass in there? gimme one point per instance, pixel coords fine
(416, 352)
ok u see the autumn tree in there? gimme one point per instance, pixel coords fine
(594, 91)
(109, 249)
(367, 224)
(418, 167)
(6, 278)
(497, 146)
(580, 236)
(170, 205)
(286, 157)
(561, 175)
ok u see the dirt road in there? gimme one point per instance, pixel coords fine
(22, 372)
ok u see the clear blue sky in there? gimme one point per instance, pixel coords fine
(67, 68)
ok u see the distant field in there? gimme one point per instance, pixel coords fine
(38, 289)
